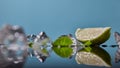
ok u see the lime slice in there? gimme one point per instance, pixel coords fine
(95, 35)
(96, 57)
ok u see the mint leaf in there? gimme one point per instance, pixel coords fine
(63, 41)
(64, 52)
(88, 43)
(88, 49)
(87, 46)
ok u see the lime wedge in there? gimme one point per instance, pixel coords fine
(95, 35)
(96, 57)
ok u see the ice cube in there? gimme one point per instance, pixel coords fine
(14, 48)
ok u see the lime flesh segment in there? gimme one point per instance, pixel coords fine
(96, 57)
(95, 35)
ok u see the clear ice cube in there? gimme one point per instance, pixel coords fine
(41, 46)
(13, 44)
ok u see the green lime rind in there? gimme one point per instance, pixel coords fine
(100, 39)
(62, 41)
(101, 53)
(64, 52)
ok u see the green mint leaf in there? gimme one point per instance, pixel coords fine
(62, 41)
(88, 49)
(64, 52)
(88, 43)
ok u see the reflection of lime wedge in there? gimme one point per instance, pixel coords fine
(95, 35)
(97, 57)
(64, 52)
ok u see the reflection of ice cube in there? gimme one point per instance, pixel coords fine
(117, 55)
(14, 48)
(41, 46)
(8, 64)
(41, 56)
(41, 53)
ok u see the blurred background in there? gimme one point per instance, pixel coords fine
(58, 17)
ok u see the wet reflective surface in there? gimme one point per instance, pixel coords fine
(76, 54)
(55, 18)
(20, 50)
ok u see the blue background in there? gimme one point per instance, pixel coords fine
(58, 17)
